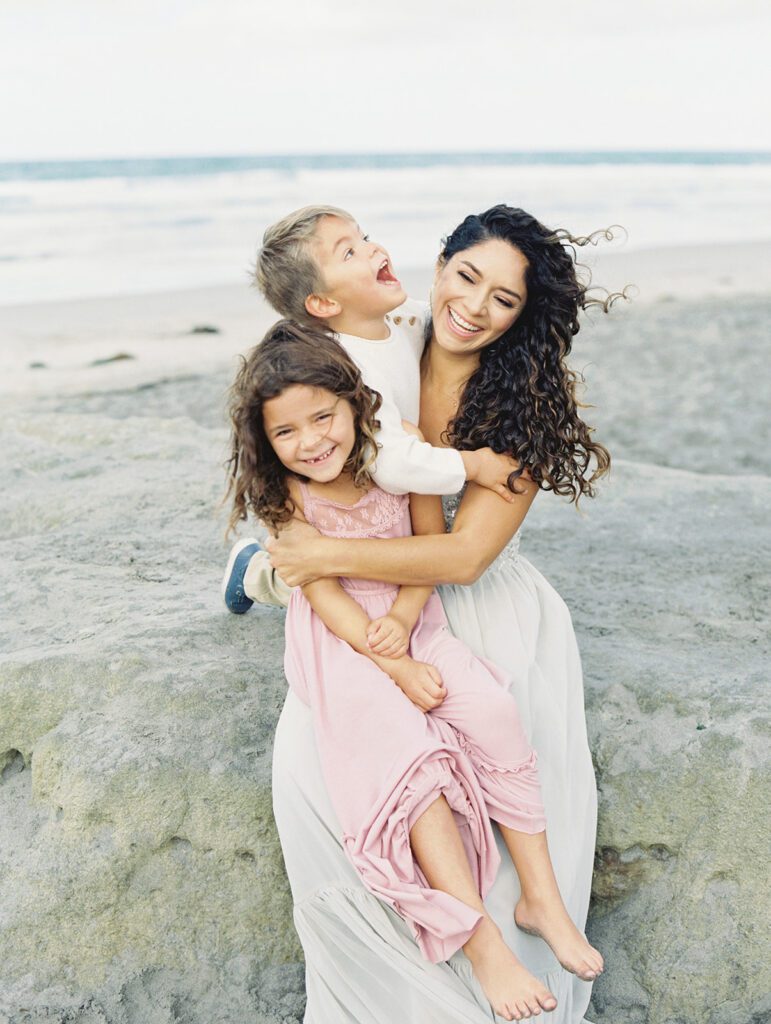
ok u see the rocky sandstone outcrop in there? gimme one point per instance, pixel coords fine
(140, 875)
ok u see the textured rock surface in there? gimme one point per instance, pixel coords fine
(140, 875)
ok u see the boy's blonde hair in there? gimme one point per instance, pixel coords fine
(285, 271)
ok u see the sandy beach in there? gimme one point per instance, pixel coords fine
(140, 876)
(77, 341)
(147, 149)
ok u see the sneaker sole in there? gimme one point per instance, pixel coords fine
(235, 552)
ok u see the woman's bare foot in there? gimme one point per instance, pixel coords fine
(513, 992)
(553, 924)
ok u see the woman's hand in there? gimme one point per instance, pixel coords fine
(292, 553)
(420, 682)
(388, 637)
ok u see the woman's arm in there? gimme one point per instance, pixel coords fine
(483, 526)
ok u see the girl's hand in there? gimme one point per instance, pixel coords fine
(388, 637)
(420, 682)
(291, 553)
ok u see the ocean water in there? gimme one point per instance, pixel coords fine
(95, 228)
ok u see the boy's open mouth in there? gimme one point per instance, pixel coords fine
(385, 275)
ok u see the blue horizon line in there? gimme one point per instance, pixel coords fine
(165, 166)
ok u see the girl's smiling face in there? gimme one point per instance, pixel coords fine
(311, 430)
(477, 295)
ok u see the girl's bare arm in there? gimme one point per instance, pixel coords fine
(337, 610)
(344, 617)
(427, 518)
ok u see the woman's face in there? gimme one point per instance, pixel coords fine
(477, 296)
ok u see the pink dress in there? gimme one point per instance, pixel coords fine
(384, 761)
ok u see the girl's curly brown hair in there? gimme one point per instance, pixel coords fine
(522, 397)
(290, 354)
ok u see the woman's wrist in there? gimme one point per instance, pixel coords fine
(321, 555)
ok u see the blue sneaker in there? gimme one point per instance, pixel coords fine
(233, 580)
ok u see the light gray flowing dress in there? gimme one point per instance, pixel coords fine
(363, 965)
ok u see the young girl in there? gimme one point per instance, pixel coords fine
(413, 729)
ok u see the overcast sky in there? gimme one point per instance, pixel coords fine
(91, 78)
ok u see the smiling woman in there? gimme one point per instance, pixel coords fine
(505, 306)
(475, 301)
(506, 287)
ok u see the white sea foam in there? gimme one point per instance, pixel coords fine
(67, 238)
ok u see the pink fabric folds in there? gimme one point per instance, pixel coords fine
(381, 852)
(385, 762)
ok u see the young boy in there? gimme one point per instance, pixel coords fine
(316, 265)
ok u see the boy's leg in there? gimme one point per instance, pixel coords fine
(249, 577)
(263, 584)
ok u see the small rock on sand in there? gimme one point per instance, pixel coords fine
(117, 358)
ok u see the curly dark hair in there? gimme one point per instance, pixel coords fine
(290, 354)
(522, 397)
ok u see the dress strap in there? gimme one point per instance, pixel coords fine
(308, 500)
(375, 513)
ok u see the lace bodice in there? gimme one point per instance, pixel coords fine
(375, 514)
(510, 554)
